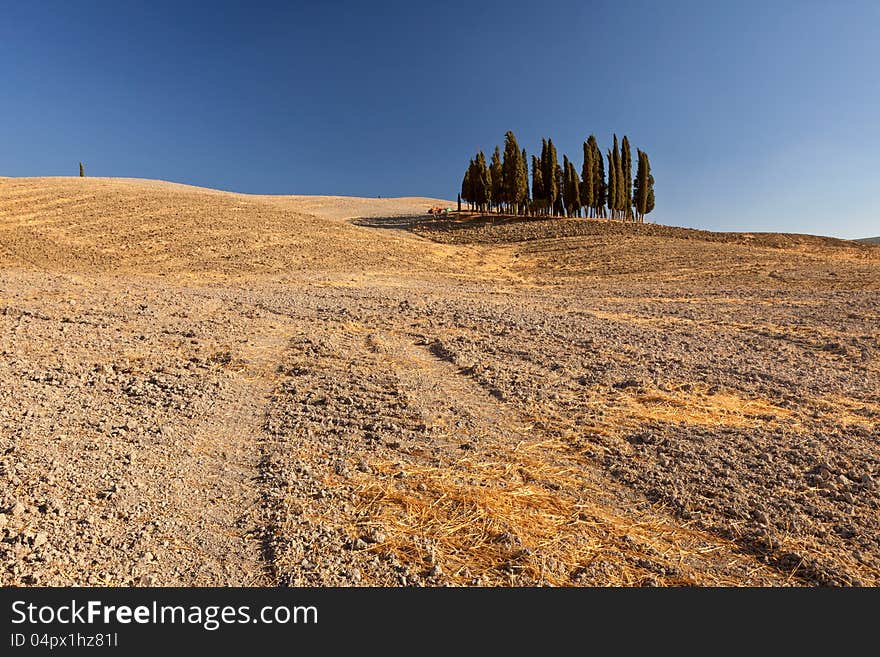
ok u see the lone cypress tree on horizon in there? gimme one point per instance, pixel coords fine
(82, 170)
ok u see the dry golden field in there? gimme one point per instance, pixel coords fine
(207, 388)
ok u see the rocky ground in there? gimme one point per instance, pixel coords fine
(200, 388)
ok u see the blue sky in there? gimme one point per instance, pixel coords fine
(756, 115)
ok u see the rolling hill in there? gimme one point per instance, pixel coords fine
(207, 388)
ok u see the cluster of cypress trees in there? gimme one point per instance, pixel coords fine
(503, 184)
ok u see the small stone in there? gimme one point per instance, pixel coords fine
(40, 539)
(18, 508)
(375, 535)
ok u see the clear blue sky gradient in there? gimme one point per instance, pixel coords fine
(756, 115)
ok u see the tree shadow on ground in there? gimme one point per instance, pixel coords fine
(448, 223)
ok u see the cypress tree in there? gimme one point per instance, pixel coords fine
(82, 170)
(612, 186)
(572, 190)
(566, 184)
(649, 202)
(537, 182)
(483, 183)
(549, 166)
(621, 189)
(514, 180)
(543, 161)
(467, 184)
(497, 174)
(559, 179)
(601, 187)
(626, 177)
(524, 201)
(619, 199)
(588, 177)
(640, 188)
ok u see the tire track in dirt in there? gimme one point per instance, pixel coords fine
(226, 500)
(391, 466)
(500, 431)
(211, 501)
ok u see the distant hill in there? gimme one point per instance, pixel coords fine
(870, 240)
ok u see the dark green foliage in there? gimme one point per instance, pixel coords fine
(593, 185)
(643, 189)
(626, 178)
(572, 189)
(588, 178)
(82, 170)
(483, 184)
(467, 184)
(503, 184)
(552, 183)
(515, 178)
(538, 195)
(640, 187)
(544, 180)
(496, 191)
(601, 186)
(611, 197)
(559, 181)
(565, 192)
(617, 188)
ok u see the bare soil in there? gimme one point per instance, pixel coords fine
(207, 388)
